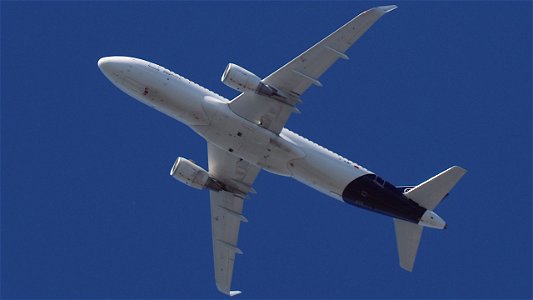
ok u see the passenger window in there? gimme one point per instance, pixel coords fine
(155, 67)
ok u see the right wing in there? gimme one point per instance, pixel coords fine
(295, 77)
(226, 211)
(300, 73)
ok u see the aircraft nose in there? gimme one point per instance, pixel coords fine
(115, 64)
(108, 65)
(103, 62)
(116, 68)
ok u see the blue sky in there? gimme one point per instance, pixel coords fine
(88, 208)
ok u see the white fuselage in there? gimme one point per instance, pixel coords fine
(209, 114)
(286, 154)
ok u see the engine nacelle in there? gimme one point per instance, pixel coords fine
(193, 175)
(242, 80)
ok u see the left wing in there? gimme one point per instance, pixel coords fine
(295, 77)
(226, 211)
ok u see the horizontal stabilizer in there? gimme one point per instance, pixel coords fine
(429, 193)
(407, 239)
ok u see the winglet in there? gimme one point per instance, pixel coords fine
(388, 8)
(234, 293)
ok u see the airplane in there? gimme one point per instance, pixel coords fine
(247, 134)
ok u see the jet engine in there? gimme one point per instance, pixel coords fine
(193, 175)
(242, 80)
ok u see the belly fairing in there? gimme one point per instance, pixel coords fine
(246, 140)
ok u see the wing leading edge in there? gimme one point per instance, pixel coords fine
(295, 77)
(226, 212)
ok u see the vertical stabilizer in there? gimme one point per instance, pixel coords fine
(407, 239)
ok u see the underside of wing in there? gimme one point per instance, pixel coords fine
(225, 222)
(303, 71)
(226, 211)
(295, 77)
